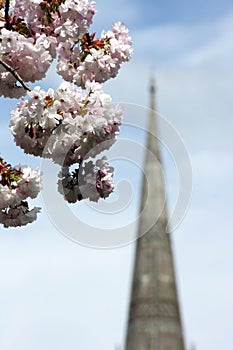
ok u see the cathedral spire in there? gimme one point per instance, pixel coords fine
(152, 93)
(152, 143)
(154, 318)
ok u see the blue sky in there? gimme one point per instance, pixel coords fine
(141, 14)
(58, 294)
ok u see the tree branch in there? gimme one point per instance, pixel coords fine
(7, 7)
(15, 75)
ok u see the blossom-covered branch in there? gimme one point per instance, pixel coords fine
(16, 185)
(90, 180)
(68, 125)
(15, 75)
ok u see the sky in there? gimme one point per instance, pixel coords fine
(59, 294)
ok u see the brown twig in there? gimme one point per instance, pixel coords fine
(8, 23)
(15, 75)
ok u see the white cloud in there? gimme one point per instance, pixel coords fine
(217, 50)
(186, 45)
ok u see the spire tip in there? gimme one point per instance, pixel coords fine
(152, 85)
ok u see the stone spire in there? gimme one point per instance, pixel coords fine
(154, 318)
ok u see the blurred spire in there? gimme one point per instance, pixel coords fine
(152, 92)
(154, 318)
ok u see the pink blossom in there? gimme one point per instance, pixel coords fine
(16, 185)
(70, 122)
(91, 181)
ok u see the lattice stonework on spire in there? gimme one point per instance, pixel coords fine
(154, 319)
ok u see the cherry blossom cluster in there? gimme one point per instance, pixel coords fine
(36, 31)
(67, 124)
(75, 122)
(16, 185)
(95, 59)
(90, 180)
